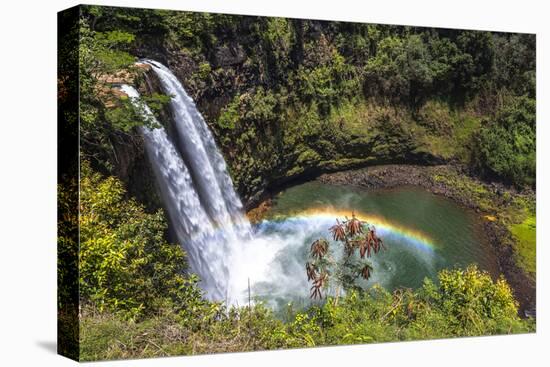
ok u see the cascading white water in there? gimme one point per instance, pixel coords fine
(202, 205)
(207, 166)
(192, 204)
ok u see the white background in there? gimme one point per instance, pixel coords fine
(28, 174)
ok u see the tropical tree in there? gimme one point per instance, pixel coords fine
(357, 240)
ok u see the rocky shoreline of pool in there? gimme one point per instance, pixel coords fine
(488, 200)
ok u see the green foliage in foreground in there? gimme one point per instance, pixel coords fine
(125, 264)
(462, 303)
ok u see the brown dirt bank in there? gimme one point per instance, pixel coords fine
(428, 177)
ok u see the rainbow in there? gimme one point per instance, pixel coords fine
(411, 236)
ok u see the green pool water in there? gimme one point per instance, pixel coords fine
(424, 233)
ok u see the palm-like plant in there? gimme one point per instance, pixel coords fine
(351, 234)
(319, 248)
(365, 246)
(349, 247)
(319, 283)
(338, 231)
(376, 241)
(366, 272)
(311, 271)
(354, 226)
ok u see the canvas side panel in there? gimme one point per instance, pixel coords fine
(67, 178)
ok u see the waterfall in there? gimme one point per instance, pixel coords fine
(196, 189)
(207, 166)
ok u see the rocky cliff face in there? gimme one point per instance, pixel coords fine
(282, 159)
(267, 144)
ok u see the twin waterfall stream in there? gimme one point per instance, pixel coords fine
(196, 189)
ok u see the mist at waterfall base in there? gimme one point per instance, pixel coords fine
(228, 253)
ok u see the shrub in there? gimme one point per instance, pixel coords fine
(470, 303)
(461, 303)
(506, 146)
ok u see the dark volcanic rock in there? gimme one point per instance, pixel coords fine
(229, 55)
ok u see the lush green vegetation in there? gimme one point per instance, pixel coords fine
(286, 97)
(506, 146)
(525, 234)
(461, 303)
(125, 263)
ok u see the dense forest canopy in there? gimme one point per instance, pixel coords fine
(287, 85)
